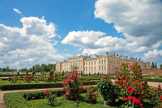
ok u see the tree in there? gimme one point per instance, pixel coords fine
(43, 67)
(4, 69)
(161, 66)
(37, 68)
(152, 66)
(33, 69)
(7, 69)
(155, 65)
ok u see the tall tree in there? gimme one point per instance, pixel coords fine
(152, 66)
(7, 69)
(161, 66)
(155, 65)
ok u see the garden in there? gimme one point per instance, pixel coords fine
(130, 90)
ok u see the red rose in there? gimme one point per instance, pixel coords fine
(89, 83)
(140, 104)
(96, 95)
(125, 99)
(131, 91)
(138, 92)
(105, 77)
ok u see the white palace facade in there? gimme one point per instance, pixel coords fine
(106, 64)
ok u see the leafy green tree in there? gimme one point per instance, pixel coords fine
(152, 66)
(37, 68)
(43, 67)
(161, 66)
(33, 69)
(155, 65)
(4, 69)
(7, 69)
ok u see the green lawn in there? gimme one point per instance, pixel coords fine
(43, 103)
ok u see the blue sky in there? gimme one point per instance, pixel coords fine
(45, 31)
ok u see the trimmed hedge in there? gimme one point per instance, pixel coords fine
(153, 80)
(29, 86)
(34, 86)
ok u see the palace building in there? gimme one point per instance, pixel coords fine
(106, 64)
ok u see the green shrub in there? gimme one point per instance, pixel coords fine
(29, 86)
(107, 89)
(33, 73)
(27, 73)
(63, 73)
(89, 74)
(17, 73)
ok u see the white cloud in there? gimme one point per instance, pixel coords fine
(32, 44)
(154, 54)
(82, 38)
(16, 10)
(66, 49)
(139, 21)
(79, 49)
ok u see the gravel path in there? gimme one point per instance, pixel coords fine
(2, 105)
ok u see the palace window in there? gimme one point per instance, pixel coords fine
(102, 61)
(92, 68)
(105, 67)
(91, 62)
(94, 62)
(99, 61)
(105, 61)
(102, 67)
(89, 68)
(99, 67)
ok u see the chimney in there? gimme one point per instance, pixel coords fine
(121, 55)
(106, 53)
(95, 55)
(117, 54)
(135, 58)
(114, 54)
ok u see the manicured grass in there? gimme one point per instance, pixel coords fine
(43, 103)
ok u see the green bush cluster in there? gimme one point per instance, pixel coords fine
(29, 86)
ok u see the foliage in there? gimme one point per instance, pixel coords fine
(63, 73)
(107, 89)
(132, 90)
(89, 74)
(17, 73)
(51, 97)
(90, 96)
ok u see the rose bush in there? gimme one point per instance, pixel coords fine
(108, 90)
(132, 90)
(51, 97)
(90, 96)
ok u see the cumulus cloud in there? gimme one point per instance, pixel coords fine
(82, 38)
(32, 44)
(95, 42)
(139, 21)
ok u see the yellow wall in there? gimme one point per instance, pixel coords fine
(103, 64)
